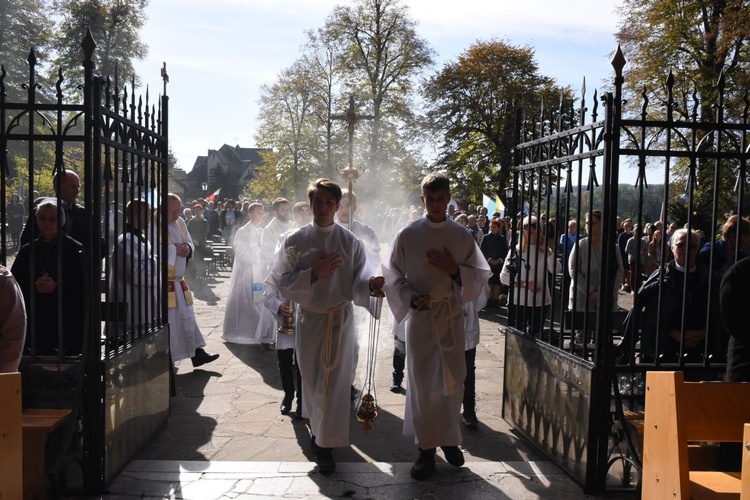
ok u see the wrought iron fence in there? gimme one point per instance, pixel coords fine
(97, 336)
(578, 339)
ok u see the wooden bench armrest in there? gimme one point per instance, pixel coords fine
(43, 419)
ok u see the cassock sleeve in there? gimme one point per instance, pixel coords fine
(291, 282)
(475, 271)
(272, 300)
(363, 271)
(398, 290)
(12, 323)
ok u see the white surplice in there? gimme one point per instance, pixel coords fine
(184, 335)
(246, 320)
(134, 279)
(270, 240)
(325, 328)
(435, 342)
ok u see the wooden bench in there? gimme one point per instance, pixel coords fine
(679, 412)
(11, 441)
(38, 424)
(23, 439)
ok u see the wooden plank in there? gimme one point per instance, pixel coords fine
(678, 413)
(745, 491)
(37, 425)
(714, 485)
(665, 464)
(11, 437)
(718, 410)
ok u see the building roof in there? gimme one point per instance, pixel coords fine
(234, 160)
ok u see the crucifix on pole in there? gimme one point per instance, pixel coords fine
(350, 173)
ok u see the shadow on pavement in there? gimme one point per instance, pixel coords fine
(187, 432)
(261, 359)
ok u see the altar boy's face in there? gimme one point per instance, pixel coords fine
(324, 207)
(436, 203)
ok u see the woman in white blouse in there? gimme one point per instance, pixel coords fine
(533, 261)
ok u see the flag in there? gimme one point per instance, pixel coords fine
(489, 204)
(213, 196)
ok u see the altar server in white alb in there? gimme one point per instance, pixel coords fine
(185, 338)
(246, 320)
(432, 268)
(134, 277)
(280, 224)
(322, 268)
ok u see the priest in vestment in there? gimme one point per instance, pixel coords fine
(246, 320)
(432, 268)
(322, 268)
(185, 338)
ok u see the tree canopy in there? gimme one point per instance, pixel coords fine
(471, 107)
(695, 40)
(369, 51)
(698, 42)
(115, 26)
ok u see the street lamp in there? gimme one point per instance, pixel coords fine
(204, 187)
(508, 197)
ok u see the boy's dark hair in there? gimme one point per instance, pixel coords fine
(326, 184)
(436, 181)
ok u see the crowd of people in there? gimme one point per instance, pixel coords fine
(299, 269)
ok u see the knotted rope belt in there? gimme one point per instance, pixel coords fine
(331, 352)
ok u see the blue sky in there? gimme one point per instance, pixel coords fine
(219, 53)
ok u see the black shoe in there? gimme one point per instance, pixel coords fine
(286, 404)
(202, 357)
(425, 465)
(313, 446)
(298, 412)
(453, 455)
(469, 419)
(268, 347)
(396, 387)
(325, 461)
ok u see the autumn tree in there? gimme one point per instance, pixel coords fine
(24, 25)
(323, 59)
(115, 26)
(471, 108)
(697, 42)
(288, 125)
(383, 54)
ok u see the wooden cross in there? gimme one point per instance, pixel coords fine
(351, 118)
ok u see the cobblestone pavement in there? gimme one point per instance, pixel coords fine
(226, 438)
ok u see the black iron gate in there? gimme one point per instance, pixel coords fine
(573, 375)
(117, 382)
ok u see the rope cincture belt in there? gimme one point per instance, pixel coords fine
(449, 381)
(331, 354)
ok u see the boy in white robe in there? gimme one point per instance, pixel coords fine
(432, 267)
(246, 320)
(185, 338)
(134, 277)
(322, 268)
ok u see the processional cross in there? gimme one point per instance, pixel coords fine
(367, 407)
(350, 173)
(351, 118)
